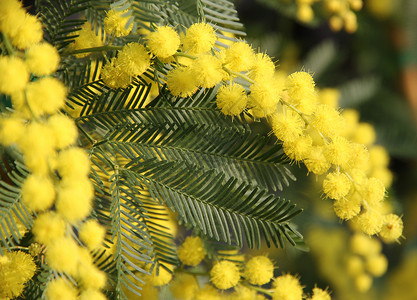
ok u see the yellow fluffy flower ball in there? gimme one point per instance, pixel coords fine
(336, 185)
(370, 221)
(14, 75)
(373, 191)
(86, 39)
(199, 38)
(74, 199)
(379, 156)
(364, 245)
(231, 99)
(287, 287)
(62, 255)
(364, 134)
(319, 294)
(287, 126)
(134, 59)
(115, 23)
(339, 152)
(259, 270)
(263, 67)
(355, 265)
(60, 289)
(208, 293)
(182, 82)
(91, 277)
(360, 157)
(37, 145)
(29, 33)
(316, 161)
(225, 275)
(377, 264)
(164, 42)
(363, 282)
(63, 129)
(73, 163)
(347, 208)
(48, 227)
(16, 268)
(42, 59)
(191, 252)
(300, 85)
(11, 16)
(46, 95)
(305, 13)
(299, 148)
(114, 75)
(92, 294)
(38, 192)
(208, 70)
(92, 234)
(185, 286)
(239, 57)
(327, 120)
(392, 228)
(263, 98)
(11, 130)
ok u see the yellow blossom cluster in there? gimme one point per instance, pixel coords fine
(365, 261)
(307, 121)
(233, 272)
(116, 23)
(58, 188)
(305, 12)
(132, 60)
(16, 268)
(343, 14)
(86, 39)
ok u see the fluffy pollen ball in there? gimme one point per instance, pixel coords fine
(259, 270)
(115, 23)
(164, 42)
(225, 275)
(42, 59)
(14, 75)
(200, 38)
(191, 252)
(392, 229)
(231, 99)
(336, 185)
(287, 287)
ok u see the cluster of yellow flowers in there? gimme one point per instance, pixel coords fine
(57, 189)
(342, 13)
(365, 260)
(312, 132)
(245, 278)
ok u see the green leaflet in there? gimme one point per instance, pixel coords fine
(14, 216)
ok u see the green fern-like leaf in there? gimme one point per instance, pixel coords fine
(15, 218)
(221, 209)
